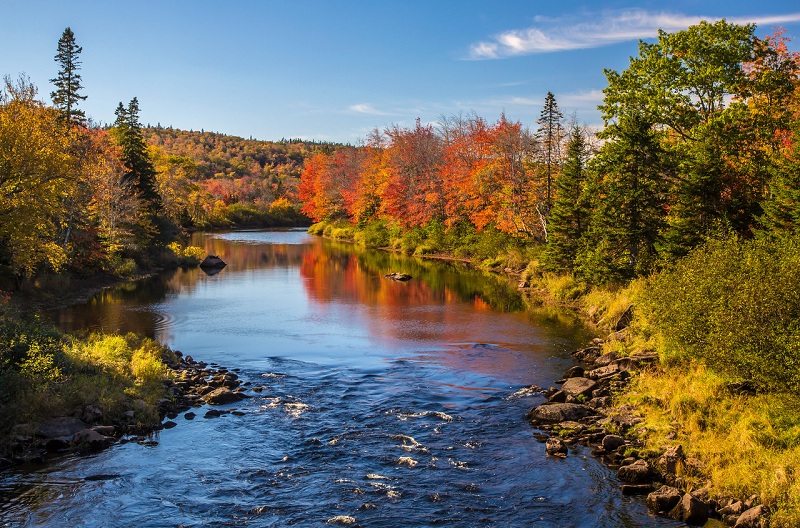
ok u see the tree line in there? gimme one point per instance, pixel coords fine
(700, 141)
(84, 198)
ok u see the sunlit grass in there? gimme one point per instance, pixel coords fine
(744, 445)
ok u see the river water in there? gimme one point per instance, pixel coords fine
(384, 404)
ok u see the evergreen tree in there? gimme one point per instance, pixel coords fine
(139, 170)
(569, 218)
(68, 81)
(550, 135)
(630, 175)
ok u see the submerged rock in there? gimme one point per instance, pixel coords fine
(221, 396)
(402, 277)
(213, 261)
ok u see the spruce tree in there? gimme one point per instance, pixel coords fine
(139, 170)
(569, 218)
(550, 135)
(628, 185)
(68, 81)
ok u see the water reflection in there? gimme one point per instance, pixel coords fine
(352, 366)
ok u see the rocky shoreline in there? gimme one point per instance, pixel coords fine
(582, 412)
(190, 385)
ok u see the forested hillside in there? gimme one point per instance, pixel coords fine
(223, 170)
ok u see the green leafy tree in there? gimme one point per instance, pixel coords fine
(569, 218)
(68, 80)
(706, 88)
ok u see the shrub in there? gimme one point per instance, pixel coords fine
(736, 306)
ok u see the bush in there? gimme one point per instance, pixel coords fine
(736, 306)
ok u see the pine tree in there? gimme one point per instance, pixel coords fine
(68, 81)
(628, 184)
(139, 170)
(569, 218)
(550, 135)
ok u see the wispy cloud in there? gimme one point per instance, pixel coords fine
(592, 30)
(363, 108)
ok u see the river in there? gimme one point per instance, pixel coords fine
(393, 404)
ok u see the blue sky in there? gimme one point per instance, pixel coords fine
(334, 70)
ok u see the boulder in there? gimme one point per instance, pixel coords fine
(221, 396)
(91, 439)
(636, 489)
(604, 372)
(559, 412)
(624, 320)
(60, 427)
(668, 462)
(213, 262)
(579, 387)
(690, 510)
(587, 355)
(91, 413)
(638, 472)
(612, 442)
(558, 397)
(663, 500)
(574, 372)
(605, 359)
(556, 447)
(755, 517)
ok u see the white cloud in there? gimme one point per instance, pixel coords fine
(595, 30)
(363, 108)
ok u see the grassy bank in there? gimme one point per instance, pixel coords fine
(44, 374)
(725, 322)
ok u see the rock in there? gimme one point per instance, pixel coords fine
(91, 414)
(60, 427)
(605, 359)
(756, 517)
(91, 439)
(55, 445)
(734, 508)
(624, 320)
(105, 430)
(637, 361)
(603, 372)
(189, 415)
(663, 500)
(637, 473)
(668, 462)
(579, 387)
(612, 442)
(212, 261)
(636, 489)
(221, 396)
(690, 510)
(212, 413)
(587, 355)
(169, 424)
(402, 277)
(556, 447)
(558, 397)
(559, 412)
(574, 372)
(600, 402)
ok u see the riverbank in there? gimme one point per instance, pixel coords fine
(728, 421)
(71, 394)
